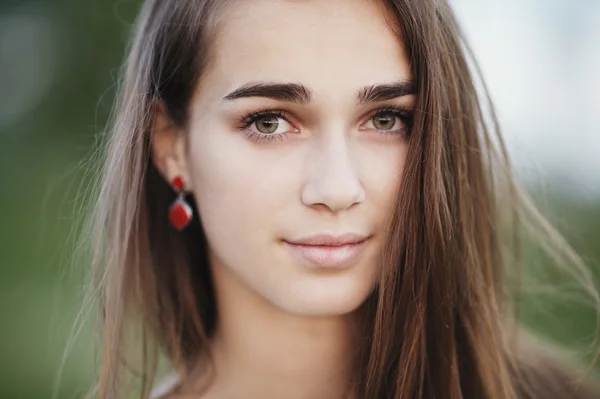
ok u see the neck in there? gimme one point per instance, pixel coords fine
(261, 351)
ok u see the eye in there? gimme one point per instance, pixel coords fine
(270, 124)
(390, 121)
(385, 120)
(267, 123)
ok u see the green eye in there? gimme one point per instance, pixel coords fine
(384, 121)
(267, 125)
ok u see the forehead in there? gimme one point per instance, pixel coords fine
(324, 44)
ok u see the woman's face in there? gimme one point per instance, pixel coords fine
(297, 134)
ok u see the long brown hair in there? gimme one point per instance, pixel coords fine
(438, 324)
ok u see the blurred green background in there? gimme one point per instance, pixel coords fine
(59, 60)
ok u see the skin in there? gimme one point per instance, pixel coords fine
(287, 329)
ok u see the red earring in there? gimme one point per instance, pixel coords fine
(180, 212)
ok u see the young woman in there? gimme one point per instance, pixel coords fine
(304, 199)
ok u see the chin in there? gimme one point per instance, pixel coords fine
(326, 298)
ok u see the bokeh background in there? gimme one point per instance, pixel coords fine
(59, 61)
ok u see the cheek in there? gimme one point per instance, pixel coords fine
(224, 182)
(381, 171)
(238, 192)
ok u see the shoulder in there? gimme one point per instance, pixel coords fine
(165, 388)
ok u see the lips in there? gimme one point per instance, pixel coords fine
(326, 251)
(329, 240)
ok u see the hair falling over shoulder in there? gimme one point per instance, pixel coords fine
(441, 322)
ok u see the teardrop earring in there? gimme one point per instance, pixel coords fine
(180, 212)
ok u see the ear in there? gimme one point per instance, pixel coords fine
(168, 147)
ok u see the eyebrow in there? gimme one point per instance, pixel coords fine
(298, 93)
(384, 92)
(290, 92)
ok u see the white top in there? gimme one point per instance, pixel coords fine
(165, 387)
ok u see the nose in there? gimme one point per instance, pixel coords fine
(332, 179)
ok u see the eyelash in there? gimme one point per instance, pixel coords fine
(404, 114)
